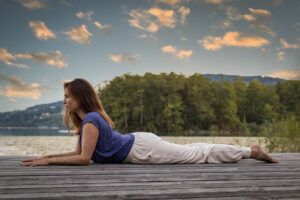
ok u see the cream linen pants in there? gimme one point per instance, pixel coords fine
(148, 148)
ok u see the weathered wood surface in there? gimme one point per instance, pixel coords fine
(247, 179)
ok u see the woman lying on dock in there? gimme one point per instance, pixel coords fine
(99, 142)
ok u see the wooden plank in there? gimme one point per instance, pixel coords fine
(253, 179)
(137, 186)
(162, 194)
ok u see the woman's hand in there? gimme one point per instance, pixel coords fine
(35, 162)
(43, 160)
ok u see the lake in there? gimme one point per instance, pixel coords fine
(45, 131)
(13, 131)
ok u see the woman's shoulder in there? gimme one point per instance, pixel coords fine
(92, 115)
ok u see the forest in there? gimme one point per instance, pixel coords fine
(175, 104)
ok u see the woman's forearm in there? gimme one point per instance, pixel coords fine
(69, 160)
(73, 153)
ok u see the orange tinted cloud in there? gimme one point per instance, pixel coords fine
(263, 28)
(286, 45)
(87, 15)
(183, 12)
(170, 2)
(17, 88)
(52, 58)
(41, 31)
(184, 54)
(181, 54)
(165, 17)
(281, 55)
(260, 12)
(33, 4)
(169, 49)
(106, 28)
(216, 1)
(290, 75)
(80, 34)
(123, 57)
(232, 39)
(152, 20)
(147, 36)
(6, 57)
(249, 17)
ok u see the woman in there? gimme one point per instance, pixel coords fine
(98, 141)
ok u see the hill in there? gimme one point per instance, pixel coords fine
(263, 79)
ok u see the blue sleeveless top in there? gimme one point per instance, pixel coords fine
(111, 147)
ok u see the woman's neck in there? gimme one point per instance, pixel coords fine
(81, 114)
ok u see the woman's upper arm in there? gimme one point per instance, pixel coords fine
(78, 149)
(90, 136)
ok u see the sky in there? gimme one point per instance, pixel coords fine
(44, 43)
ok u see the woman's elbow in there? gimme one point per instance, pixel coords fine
(85, 161)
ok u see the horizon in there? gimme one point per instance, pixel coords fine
(44, 43)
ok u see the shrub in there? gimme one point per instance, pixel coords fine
(282, 135)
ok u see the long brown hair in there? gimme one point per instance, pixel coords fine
(88, 100)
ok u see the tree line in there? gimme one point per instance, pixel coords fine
(174, 103)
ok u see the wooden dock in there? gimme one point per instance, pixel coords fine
(247, 179)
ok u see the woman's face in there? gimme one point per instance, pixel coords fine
(70, 102)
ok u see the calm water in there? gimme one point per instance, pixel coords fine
(4, 131)
(32, 132)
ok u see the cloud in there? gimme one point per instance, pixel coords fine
(222, 24)
(233, 13)
(289, 75)
(260, 12)
(249, 17)
(263, 28)
(281, 55)
(52, 58)
(183, 12)
(232, 39)
(181, 54)
(216, 1)
(33, 4)
(286, 45)
(165, 17)
(86, 15)
(105, 28)
(277, 2)
(184, 54)
(259, 16)
(152, 20)
(123, 57)
(170, 2)
(147, 36)
(17, 88)
(65, 2)
(6, 57)
(169, 49)
(41, 31)
(80, 34)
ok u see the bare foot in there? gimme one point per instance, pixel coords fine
(229, 143)
(258, 153)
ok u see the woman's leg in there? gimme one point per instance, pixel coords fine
(151, 149)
